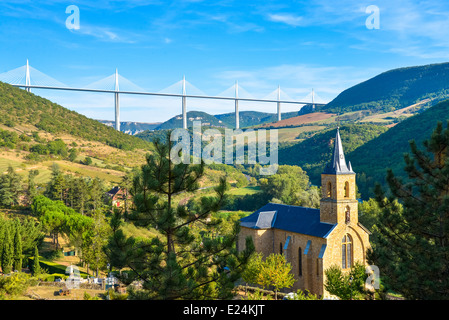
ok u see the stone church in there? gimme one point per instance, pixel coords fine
(314, 239)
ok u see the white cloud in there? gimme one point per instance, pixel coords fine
(106, 33)
(288, 19)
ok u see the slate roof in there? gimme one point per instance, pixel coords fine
(113, 191)
(338, 162)
(289, 218)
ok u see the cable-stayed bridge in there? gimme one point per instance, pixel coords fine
(29, 78)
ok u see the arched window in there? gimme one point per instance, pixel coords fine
(347, 214)
(280, 248)
(346, 252)
(329, 189)
(299, 262)
(346, 189)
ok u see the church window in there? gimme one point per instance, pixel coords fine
(347, 214)
(329, 189)
(299, 262)
(346, 252)
(346, 189)
(280, 248)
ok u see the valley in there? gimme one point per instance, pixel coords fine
(57, 153)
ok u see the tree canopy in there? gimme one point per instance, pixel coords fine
(412, 233)
(191, 256)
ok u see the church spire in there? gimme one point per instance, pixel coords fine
(338, 162)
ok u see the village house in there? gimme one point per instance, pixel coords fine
(314, 239)
(119, 196)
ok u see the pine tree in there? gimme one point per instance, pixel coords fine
(10, 187)
(57, 184)
(412, 237)
(32, 191)
(92, 247)
(188, 259)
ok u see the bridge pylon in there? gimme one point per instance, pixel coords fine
(117, 102)
(279, 103)
(237, 115)
(27, 78)
(184, 104)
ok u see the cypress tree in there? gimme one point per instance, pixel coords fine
(7, 253)
(18, 256)
(411, 241)
(36, 267)
(2, 234)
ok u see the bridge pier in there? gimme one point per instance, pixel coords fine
(12, 77)
(313, 100)
(237, 116)
(279, 103)
(117, 102)
(117, 111)
(27, 78)
(184, 104)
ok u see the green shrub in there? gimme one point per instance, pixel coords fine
(15, 284)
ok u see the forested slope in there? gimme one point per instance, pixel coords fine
(20, 107)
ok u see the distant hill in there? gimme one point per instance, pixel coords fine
(371, 160)
(225, 120)
(20, 107)
(394, 89)
(205, 118)
(132, 128)
(247, 118)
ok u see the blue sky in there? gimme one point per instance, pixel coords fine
(299, 45)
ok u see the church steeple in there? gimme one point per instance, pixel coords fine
(339, 203)
(338, 163)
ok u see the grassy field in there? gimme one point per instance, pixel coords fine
(291, 134)
(108, 163)
(244, 191)
(52, 293)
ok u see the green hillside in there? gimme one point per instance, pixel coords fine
(371, 160)
(19, 107)
(394, 89)
(312, 154)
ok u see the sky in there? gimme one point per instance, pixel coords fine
(327, 46)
